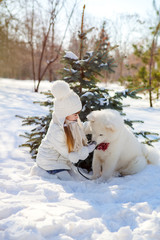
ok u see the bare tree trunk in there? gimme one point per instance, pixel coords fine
(32, 47)
(151, 66)
(150, 79)
(41, 74)
(51, 49)
(81, 36)
(41, 57)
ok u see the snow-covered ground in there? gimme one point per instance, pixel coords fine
(41, 207)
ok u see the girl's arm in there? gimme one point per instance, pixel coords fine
(59, 143)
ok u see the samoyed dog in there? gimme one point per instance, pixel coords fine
(118, 150)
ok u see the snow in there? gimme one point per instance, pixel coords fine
(87, 94)
(41, 207)
(70, 70)
(103, 64)
(70, 55)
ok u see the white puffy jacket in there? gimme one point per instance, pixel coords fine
(53, 151)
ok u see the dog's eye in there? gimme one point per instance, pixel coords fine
(100, 134)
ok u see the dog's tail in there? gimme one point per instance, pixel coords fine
(151, 154)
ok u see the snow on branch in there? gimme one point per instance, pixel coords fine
(71, 55)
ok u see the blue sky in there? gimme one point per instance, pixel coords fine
(109, 8)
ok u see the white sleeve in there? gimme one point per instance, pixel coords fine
(60, 145)
(83, 153)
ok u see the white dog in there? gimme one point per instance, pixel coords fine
(118, 149)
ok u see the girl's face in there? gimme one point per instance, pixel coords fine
(72, 117)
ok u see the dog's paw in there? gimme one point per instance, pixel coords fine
(94, 177)
(117, 174)
(100, 180)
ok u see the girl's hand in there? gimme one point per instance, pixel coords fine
(92, 146)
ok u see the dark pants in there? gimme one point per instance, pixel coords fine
(56, 171)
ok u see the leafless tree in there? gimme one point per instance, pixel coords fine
(153, 47)
(48, 31)
(34, 21)
(123, 31)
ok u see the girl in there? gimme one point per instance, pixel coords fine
(65, 142)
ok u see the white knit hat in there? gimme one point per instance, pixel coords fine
(66, 102)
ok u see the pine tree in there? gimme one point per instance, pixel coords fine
(82, 73)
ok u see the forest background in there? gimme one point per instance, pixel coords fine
(34, 35)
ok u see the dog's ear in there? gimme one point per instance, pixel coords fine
(110, 128)
(91, 117)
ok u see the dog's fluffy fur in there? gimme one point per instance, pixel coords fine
(125, 154)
